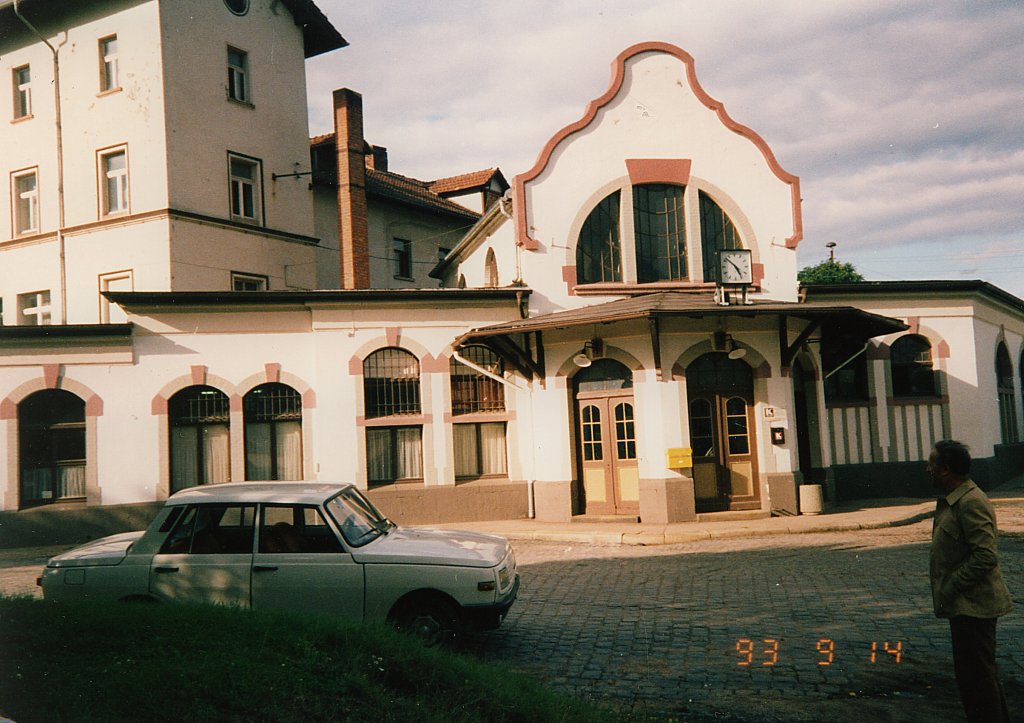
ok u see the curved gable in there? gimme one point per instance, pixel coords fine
(622, 78)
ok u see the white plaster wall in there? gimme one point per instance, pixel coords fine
(204, 124)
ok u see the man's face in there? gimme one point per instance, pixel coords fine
(939, 473)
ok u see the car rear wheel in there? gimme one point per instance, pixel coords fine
(432, 620)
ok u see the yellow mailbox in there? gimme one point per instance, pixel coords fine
(679, 457)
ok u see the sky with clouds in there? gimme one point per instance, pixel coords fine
(903, 119)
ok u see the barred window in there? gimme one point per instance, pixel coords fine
(473, 391)
(1006, 396)
(391, 383)
(273, 433)
(198, 419)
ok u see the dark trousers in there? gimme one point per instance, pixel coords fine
(974, 660)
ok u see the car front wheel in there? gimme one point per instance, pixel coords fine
(430, 619)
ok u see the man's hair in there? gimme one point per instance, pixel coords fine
(954, 455)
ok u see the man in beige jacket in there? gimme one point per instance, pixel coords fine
(967, 585)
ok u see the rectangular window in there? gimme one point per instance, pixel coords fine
(22, 78)
(34, 308)
(394, 453)
(480, 449)
(109, 79)
(238, 75)
(402, 253)
(248, 282)
(25, 187)
(113, 170)
(245, 188)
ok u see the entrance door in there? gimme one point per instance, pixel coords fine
(721, 394)
(606, 439)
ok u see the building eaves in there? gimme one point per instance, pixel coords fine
(933, 287)
(65, 331)
(465, 181)
(491, 220)
(318, 34)
(240, 299)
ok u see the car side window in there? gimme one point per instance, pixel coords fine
(296, 529)
(213, 529)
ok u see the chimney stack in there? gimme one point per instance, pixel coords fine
(353, 233)
(378, 161)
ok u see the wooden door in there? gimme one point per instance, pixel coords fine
(607, 444)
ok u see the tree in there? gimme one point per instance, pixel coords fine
(829, 271)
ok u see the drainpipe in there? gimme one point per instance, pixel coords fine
(60, 158)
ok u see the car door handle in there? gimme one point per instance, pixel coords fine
(264, 568)
(165, 569)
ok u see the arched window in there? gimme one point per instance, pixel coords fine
(198, 418)
(1007, 401)
(659, 227)
(603, 375)
(479, 446)
(391, 390)
(51, 449)
(598, 252)
(273, 433)
(910, 361)
(490, 270)
(717, 233)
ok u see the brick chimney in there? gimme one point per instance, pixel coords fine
(378, 159)
(353, 233)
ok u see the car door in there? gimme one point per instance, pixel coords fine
(207, 557)
(300, 564)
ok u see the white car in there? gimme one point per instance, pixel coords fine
(304, 546)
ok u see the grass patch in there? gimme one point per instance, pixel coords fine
(115, 662)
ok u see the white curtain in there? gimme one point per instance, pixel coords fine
(378, 458)
(257, 451)
(36, 483)
(289, 450)
(71, 481)
(492, 449)
(467, 463)
(215, 453)
(408, 452)
(184, 458)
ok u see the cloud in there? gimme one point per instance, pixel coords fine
(903, 120)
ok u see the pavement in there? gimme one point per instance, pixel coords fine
(859, 515)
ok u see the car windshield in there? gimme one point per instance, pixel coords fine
(357, 518)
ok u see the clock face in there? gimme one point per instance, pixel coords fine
(734, 266)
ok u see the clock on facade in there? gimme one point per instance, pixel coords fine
(735, 267)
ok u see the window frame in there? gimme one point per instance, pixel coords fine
(17, 228)
(401, 256)
(471, 391)
(237, 183)
(110, 65)
(901, 371)
(219, 415)
(273, 404)
(239, 86)
(42, 312)
(104, 176)
(599, 251)
(478, 452)
(675, 244)
(243, 277)
(21, 92)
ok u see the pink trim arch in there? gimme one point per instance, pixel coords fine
(523, 237)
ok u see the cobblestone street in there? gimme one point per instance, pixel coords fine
(792, 627)
(797, 627)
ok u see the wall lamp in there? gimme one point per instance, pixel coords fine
(591, 350)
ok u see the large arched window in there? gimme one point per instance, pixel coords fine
(910, 361)
(51, 449)
(1007, 400)
(199, 419)
(717, 233)
(659, 226)
(391, 390)
(273, 433)
(598, 251)
(479, 445)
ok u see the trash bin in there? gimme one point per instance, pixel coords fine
(810, 500)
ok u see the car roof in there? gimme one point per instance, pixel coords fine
(293, 492)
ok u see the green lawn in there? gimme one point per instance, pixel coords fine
(138, 662)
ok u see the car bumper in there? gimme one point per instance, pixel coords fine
(490, 616)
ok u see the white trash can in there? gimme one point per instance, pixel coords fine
(810, 500)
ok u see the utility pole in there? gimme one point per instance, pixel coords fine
(831, 246)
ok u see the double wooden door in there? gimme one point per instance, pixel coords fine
(606, 436)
